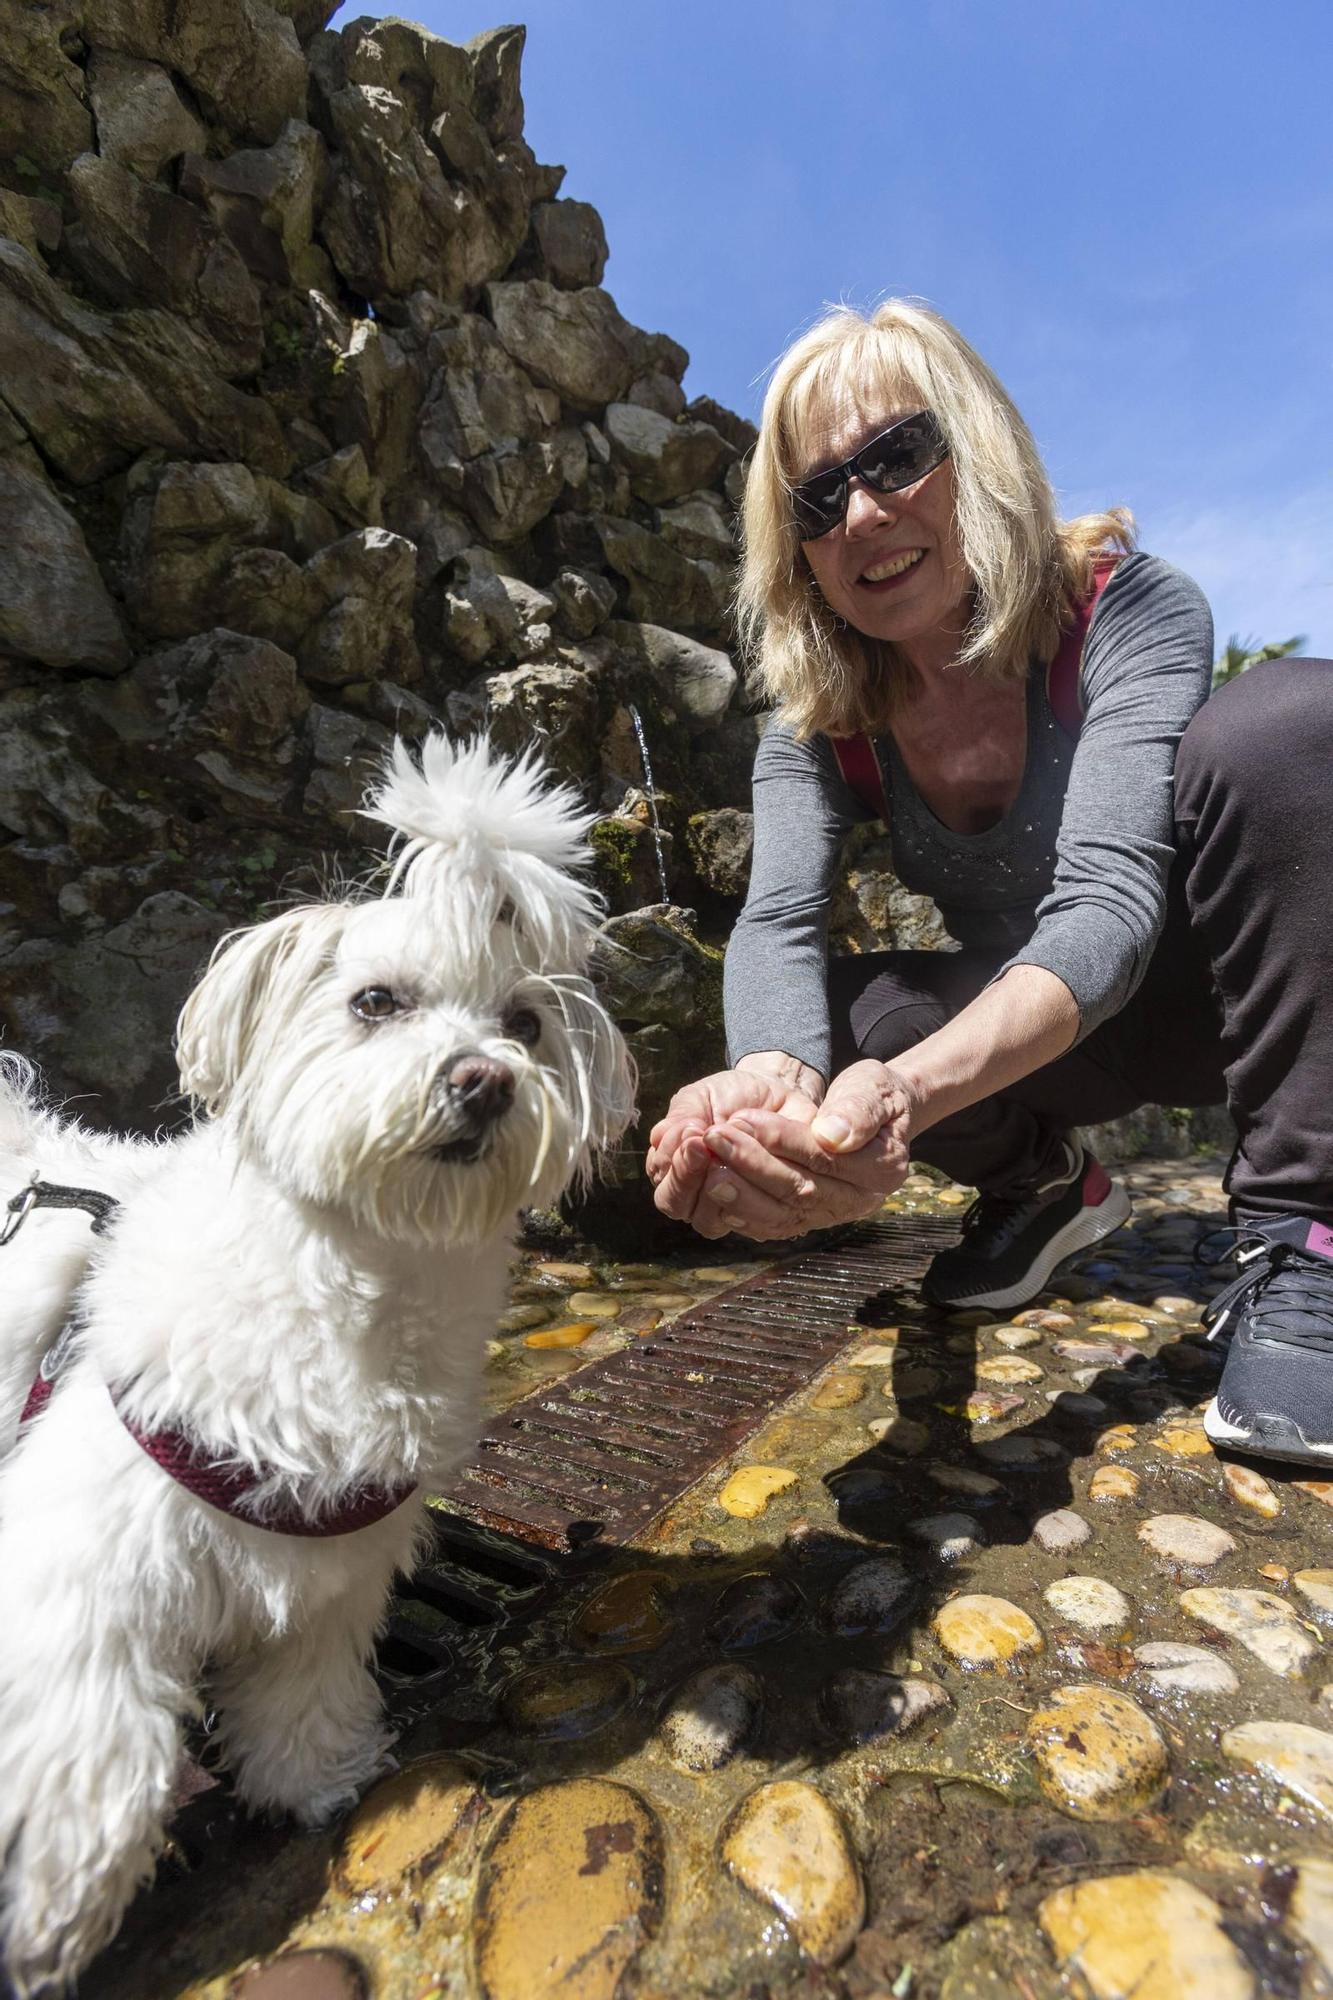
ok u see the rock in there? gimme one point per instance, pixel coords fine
(1090, 1603)
(698, 681)
(569, 1892)
(554, 707)
(1250, 1489)
(573, 1334)
(989, 1406)
(872, 1597)
(787, 1846)
(1099, 1757)
(1061, 1531)
(985, 1632)
(663, 587)
(584, 601)
(94, 391)
(1009, 1369)
(367, 581)
(649, 967)
(747, 1493)
(1017, 1336)
(721, 845)
(1020, 1453)
(263, 199)
(1041, 1318)
(903, 1437)
(593, 1305)
(1264, 1624)
(406, 1825)
(1318, 1489)
(1291, 1754)
(570, 242)
(1113, 1482)
(860, 1707)
(54, 607)
(1185, 1539)
(347, 752)
(495, 57)
(564, 1702)
(963, 1479)
(754, 1610)
(701, 526)
(1316, 1587)
(878, 1354)
(43, 103)
(305, 1975)
(142, 122)
(142, 246)
(1184, 1441)
(838, 1392)
(949, 1536)
(627, 1615)
(1310, 1911)
(1172, 1667)
(711, 1718)
(573, 342)
(1095, 1353)
(1147, 1934)
(665, 460)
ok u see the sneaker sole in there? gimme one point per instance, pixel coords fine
(1267, 1437)
(1090, 1226)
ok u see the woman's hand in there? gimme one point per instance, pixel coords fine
(774, 1177)
(678, 1156)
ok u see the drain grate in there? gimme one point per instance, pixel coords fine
(593, 1458)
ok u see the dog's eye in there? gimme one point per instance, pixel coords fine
(523, 1026)
(375, 1003)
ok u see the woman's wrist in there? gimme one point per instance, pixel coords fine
(789, 1070)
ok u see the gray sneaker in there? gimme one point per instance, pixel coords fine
(1275, 1398)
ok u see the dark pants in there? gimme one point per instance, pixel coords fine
(1236, 1006)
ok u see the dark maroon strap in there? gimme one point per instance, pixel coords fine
(860, 768)
(229, 1487)
(1062, 676)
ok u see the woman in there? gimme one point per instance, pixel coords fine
(1140, 894)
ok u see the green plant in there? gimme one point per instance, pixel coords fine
(1238, 654)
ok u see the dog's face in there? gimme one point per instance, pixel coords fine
(428, 1063)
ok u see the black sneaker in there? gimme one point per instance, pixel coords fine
(1012, 1242)
(1275, 1398)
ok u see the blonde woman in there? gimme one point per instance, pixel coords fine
(1137, 875)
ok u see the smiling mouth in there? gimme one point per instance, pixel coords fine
(892, 567)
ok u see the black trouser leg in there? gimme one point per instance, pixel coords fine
(1254, 806)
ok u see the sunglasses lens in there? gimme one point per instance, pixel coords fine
(820, 504)
(902, 456)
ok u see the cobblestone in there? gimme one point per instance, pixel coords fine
(975, 1675)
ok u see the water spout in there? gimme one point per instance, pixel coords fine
(648, 786)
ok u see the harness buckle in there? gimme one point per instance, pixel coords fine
(18, 1206)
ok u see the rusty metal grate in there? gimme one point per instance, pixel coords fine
(592, 1459)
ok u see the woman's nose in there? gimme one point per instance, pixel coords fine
(866, 509)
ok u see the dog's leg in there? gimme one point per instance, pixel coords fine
(300, 1718)
(90, 1748)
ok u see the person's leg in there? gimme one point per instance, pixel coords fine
(1254, 805)
(1042, 1195)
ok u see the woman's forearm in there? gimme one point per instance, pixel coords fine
(1025, 1020)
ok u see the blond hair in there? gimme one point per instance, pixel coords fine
(1026, 566)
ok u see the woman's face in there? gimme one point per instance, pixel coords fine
(892, 568)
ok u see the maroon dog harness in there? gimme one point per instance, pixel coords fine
(219, 1483)
(858, 759)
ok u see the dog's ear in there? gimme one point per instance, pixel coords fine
(254, 981)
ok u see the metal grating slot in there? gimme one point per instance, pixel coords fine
(593, 1459)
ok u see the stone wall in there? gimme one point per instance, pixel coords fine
(317, 424)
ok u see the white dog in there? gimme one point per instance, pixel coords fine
(278, 1336)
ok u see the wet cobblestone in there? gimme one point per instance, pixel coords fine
(974, 1674)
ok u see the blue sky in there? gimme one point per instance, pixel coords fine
(1128, 210)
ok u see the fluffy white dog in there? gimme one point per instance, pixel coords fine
(278, 1336)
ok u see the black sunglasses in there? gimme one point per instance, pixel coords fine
(898, 457)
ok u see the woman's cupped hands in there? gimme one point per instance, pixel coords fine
(751, 1154)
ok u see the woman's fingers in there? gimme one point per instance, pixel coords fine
(756, 1164)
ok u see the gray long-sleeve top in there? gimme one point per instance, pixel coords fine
(1073, 877)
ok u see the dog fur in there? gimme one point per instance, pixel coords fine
(302, 1283)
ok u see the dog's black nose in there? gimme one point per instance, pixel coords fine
(479, 1086)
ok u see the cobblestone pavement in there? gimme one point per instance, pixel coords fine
(975, 1674)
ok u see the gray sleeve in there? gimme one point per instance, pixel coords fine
(1147, 666)
(774, 986)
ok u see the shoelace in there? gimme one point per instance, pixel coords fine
(1288, 1296)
